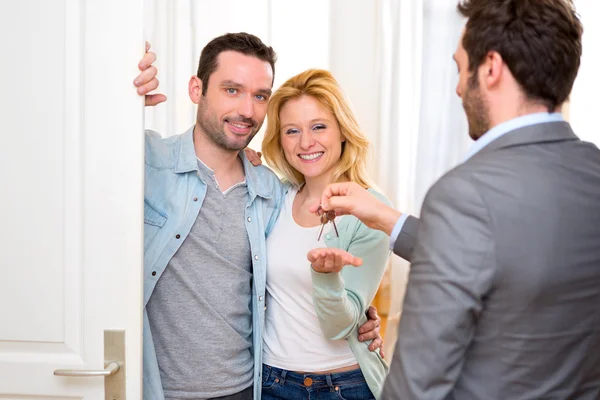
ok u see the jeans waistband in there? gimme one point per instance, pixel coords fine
(316, 380)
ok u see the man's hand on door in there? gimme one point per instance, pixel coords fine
(146, 81)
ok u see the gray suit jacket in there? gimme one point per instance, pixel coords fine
(503, 299)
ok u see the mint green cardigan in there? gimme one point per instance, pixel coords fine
(342, 299)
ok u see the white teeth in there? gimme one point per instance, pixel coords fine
(239, 126)
(310, 156)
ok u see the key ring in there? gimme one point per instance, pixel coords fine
(326, 216)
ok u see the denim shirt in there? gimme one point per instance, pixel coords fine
(173, 197)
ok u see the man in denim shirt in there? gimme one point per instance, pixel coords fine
(207, 213)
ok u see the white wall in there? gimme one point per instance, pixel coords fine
(353, 61)
(338, 35)
(586, 92)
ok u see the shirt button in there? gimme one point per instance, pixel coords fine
(259, 298)
(153, 273)
(195, 199)
(249, 219)
(177, 236)
(256, 257)
(327, 236)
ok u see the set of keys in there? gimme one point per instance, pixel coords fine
(326, 216)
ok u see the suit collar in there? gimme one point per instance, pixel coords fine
(533, 134)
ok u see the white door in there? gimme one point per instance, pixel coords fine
(71, 201)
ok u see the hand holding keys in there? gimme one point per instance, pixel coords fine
(326, 216)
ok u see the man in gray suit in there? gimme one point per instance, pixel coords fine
(503, 297)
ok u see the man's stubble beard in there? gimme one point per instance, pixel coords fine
(476, 109)
(213, 129)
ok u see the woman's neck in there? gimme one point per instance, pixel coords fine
(313, 187)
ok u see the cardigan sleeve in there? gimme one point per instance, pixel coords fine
(341, 299)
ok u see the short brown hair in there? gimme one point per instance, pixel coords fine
(242, 42)
(539, 40)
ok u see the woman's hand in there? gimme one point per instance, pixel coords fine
(326, 260)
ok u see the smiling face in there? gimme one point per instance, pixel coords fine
(234, 106)
(310, 137)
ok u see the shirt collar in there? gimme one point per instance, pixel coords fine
(255, 176)
(511, 125)
(186, 157)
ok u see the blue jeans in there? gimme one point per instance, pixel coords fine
(281, 384)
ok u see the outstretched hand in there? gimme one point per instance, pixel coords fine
(326, 260)
(146, 81)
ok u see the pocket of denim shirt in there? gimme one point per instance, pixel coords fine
(153, 217)
(153, 221)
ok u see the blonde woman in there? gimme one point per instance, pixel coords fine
(313, 311)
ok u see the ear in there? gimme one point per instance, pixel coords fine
(195, 89)
(491, 69)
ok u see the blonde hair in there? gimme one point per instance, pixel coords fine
(320, 85)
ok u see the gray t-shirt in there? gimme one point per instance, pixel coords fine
(200, 312)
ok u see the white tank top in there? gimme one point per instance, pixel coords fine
(292, 338)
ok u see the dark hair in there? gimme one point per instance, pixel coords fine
(539, 40)
(242, 42)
